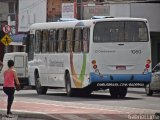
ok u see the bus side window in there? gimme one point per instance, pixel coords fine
(56, 33)
(77, 40)
(52, 40)
(142, 34)
(30, 47)
(85, 42)
(44, 41)
(65, 39)
(69, 40)
(38, 41)
(61, 39)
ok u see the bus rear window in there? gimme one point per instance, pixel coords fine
(19, 61)
(120, 31)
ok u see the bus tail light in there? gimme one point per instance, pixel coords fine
(148, 63)
(147, 66)
(94, 66)
(93, 62)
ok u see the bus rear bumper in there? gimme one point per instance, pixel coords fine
(120, 78)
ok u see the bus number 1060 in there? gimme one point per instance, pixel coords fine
(136, 51)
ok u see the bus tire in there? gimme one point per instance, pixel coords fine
(149, 92)
(113, 92)
(69, 89)
(40, 90)
(86, 92)
(118, 92)
(122, 92)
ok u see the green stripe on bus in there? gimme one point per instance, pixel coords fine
(83, 69)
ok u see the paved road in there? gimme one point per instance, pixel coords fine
(99, 106)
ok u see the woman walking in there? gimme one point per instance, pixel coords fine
(10, 79)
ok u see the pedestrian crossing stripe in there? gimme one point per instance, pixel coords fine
(6, 40)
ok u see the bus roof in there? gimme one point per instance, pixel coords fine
(79, 23)
(16, 53)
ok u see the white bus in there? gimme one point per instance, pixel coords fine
(88, 55)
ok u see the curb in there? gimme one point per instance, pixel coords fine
(29, 115)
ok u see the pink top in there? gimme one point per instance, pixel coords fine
(9, 78)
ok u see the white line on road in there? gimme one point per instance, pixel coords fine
(79, 107)
(127, 110)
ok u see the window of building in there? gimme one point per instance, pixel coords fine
(12, 7)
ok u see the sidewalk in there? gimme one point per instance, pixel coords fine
(63, 116)
(25, 116)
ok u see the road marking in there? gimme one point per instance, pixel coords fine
(127, 110)
(121, 109)
(77, 107)
(118, 109)
(62, 116)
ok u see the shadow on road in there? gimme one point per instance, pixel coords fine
(94, 96)
(60, 96)
(153, 96)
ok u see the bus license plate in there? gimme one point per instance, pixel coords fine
(120, 67)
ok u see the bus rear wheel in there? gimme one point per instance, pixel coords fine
(149, 92)
(122, 92)
(40, 90)
(69, 89)
(85, 92)
(118, 92)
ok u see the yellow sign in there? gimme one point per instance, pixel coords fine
(6, 40)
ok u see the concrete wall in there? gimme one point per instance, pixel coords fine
(31, 11)
(91, 10)
(149, 11)
(120, 10)
(4, 10)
